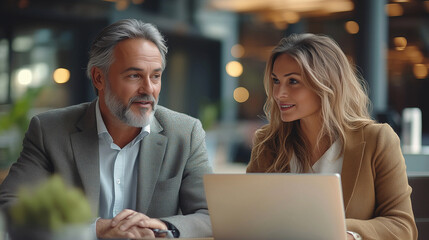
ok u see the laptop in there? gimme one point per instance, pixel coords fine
(275, 206)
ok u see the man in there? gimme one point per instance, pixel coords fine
(139, 164)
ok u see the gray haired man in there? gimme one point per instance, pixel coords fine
(139, 164)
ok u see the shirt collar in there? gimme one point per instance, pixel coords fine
(101, 127)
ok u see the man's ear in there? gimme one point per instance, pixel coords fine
(98, 78)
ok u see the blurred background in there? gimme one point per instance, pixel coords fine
(216, 60)
(215, 65)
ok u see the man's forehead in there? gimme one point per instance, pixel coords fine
(135, 46)
(132, 52)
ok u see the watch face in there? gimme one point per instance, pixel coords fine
(355, 235)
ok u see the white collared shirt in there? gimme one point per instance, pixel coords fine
(118, 170)
(327, 163)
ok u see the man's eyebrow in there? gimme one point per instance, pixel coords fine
(132, 69)
(288, 74)
(139, 69)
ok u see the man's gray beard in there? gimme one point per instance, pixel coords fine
(125, 114)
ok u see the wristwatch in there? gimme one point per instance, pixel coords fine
(355, 235)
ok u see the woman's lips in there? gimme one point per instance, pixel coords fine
(285, 107)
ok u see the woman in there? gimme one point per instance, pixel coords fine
(317, 110)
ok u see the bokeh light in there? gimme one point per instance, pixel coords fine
(24, 76)
(400, 43)
(394, 10)
(234, 69)
(241, 94)
(61, 75)
(352, 27)
(237, 51)
(420, 71)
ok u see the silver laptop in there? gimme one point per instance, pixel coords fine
(275, 206)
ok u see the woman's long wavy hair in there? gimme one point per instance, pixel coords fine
(344, 101)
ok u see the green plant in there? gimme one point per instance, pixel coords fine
(51, 206)
(17, 117)
(208, 114)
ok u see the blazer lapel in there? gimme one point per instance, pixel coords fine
(353, 154)
(151, 156)
(85, 149)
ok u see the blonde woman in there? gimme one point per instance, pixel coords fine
(317, 110)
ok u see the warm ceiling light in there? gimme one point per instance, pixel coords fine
(338, 6)
(322, 7)
(234, 69)
(400, 43)
(291, 17)
(420, 71)
(237, 51)
(238, 5)
(241, 94)
(61, 75)
(122, 5)
(400, 1)
(394, 10)
(352, 27)
(281, 25)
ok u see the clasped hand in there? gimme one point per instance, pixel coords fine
(128, 224)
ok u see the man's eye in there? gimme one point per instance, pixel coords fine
(134, 76)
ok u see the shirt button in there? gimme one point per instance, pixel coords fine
(118, 181)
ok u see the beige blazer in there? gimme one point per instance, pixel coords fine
(375, 185)
(172, 162)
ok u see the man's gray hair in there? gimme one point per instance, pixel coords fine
(101, 52)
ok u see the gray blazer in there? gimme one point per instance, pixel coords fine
(172, 162)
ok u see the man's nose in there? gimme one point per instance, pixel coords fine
(146, 86)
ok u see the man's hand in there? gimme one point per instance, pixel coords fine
(129, 218)
(105, 230)
(128, 224)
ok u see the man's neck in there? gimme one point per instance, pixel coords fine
(121, 133)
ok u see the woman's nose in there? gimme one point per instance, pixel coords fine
(282, 92)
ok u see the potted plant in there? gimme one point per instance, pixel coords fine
(51, 211)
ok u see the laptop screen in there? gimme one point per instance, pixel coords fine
(275, 206)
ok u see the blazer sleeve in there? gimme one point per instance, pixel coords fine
(195, 221)
(393, 215)
(31, 167)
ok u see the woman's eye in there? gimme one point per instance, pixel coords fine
(293, 81)
(276, 81)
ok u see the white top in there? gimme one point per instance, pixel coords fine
(327, 163)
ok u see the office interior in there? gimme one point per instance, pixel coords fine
(216, 62)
